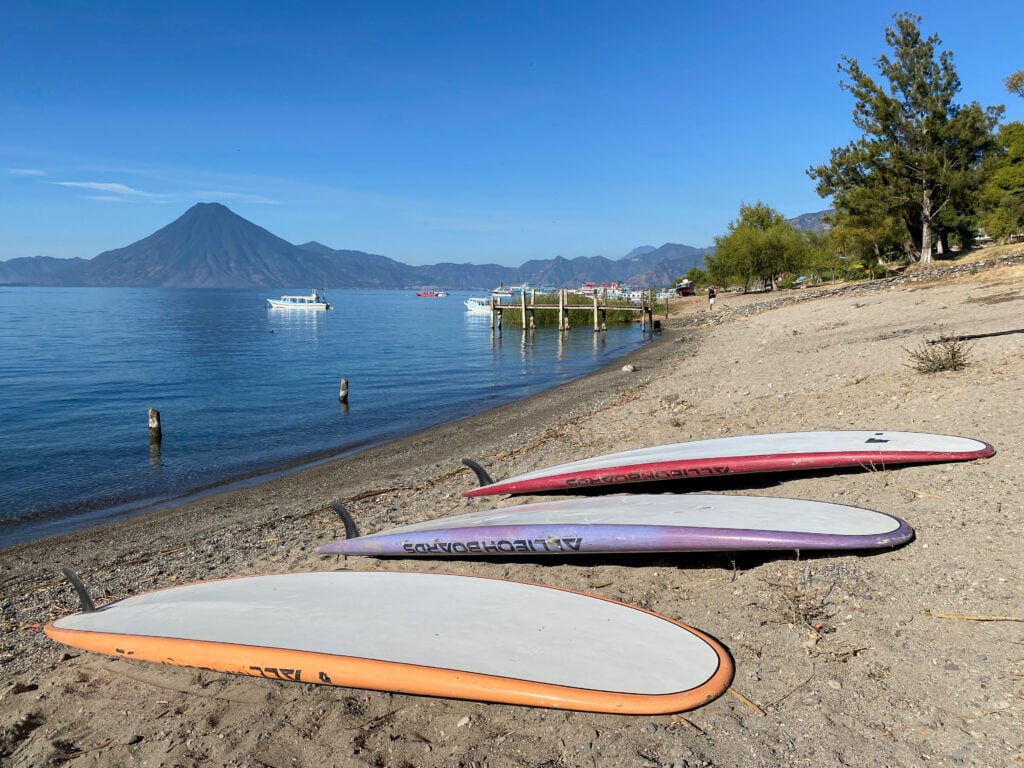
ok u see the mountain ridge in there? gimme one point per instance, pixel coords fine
(210, 246)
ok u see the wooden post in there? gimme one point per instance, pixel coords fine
(522, 304)
(561, 312)
(597, 327)
(156, 434)
(343, 391)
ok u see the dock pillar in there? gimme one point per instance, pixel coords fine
(496, 313)
(343, 391)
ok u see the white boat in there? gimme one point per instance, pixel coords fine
(478, 304)
(540, 290)
(315, 300)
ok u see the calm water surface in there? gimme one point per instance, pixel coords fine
(241, 388)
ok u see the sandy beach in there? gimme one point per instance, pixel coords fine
(906, 657)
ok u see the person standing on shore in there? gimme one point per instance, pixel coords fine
(711, 298)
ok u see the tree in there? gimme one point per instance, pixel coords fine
(1003, 192)
(918, 157)
(1015, 83)
(865, 229)
(761, 245)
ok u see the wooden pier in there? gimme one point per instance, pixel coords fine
(598, 310)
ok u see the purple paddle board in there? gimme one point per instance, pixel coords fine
(639, 523)
(742, 455)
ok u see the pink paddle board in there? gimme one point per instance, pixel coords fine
(741, 455)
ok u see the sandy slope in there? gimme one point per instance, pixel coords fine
(840, 660)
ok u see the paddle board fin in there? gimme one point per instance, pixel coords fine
(88, 606)
(480, 472)
(351, 532)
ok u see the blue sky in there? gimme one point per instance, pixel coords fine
(483, 132)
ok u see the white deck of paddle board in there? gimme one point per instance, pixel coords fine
(752, 513)
(494, 627)
(778, 444)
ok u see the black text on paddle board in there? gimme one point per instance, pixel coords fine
(278, 673)
(645, 476)
(494, 546)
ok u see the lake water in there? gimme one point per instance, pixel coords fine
(241, 388)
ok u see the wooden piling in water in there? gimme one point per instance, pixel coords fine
(156, 433)
(343, 391)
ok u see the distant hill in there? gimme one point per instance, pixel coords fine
(811, 222)
(41, 270)
(209, 246)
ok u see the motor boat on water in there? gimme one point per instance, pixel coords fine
(315, 300)
(481, 304)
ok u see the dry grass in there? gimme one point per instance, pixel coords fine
(945, 354)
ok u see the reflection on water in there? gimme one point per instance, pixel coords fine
(287, 319)
(529, 345)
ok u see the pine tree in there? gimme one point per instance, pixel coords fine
(919, 153)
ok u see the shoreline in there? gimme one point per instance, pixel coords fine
(419, 449)
(896, 657)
